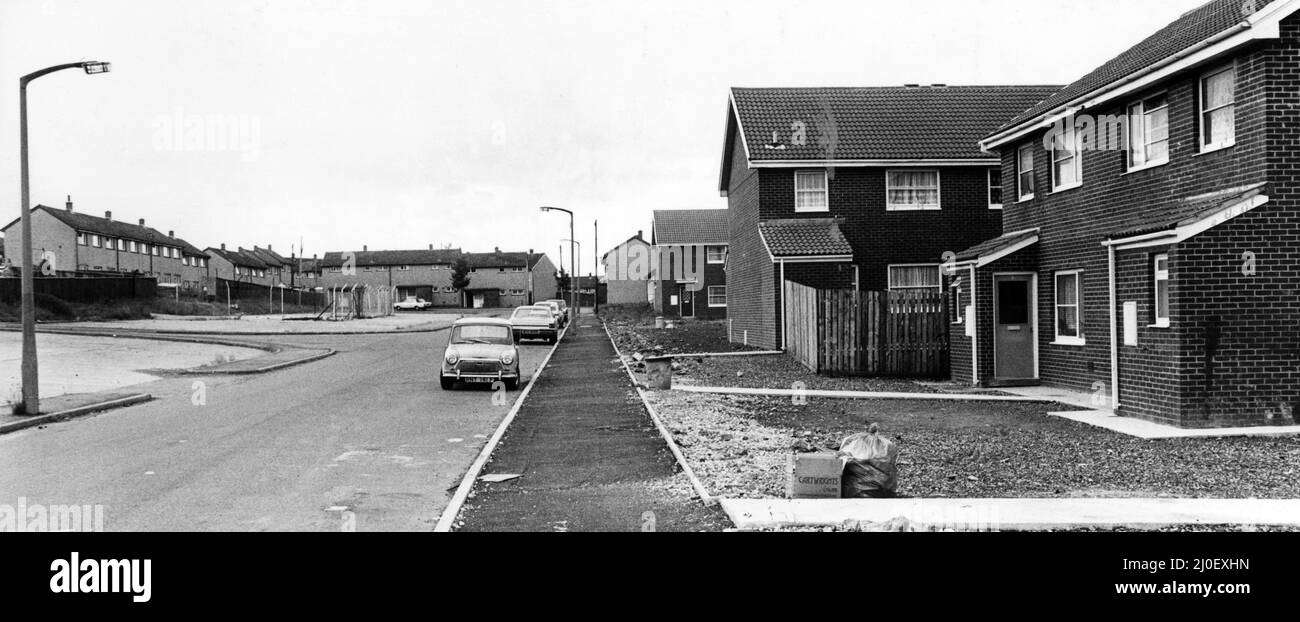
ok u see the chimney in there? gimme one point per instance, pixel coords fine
(638, 234)
(171, 234)
(141, 222)
(430, 247)
(223, 246)
(497, 250)
(364, 248)
(69, 203)
(108, 215)
(268, 247)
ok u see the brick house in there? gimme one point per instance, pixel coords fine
(855, 187)
(509, 279)
(425, 274)
(1160, 271)
(240, 266)
(85, 245)
(629, 272)
(690, 247)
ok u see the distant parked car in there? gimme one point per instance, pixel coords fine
(564, 307)
(560, 316)
(413, 304)
(535, 322)
(480, 351)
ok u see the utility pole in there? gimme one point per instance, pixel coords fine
(595, 270)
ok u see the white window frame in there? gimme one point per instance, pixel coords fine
(1020, 173)
(81, 238)
(1070, 138)
(825, 192)
(95, 240)
(708, 255)
(1137, 121)
(1203, 113)
(1068, 340)
(958, 309)
(1159, 276)
(135, 247)
(996, 174)
(709, 296)
(938, 191)
(889, 277)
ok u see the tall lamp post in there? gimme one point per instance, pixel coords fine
(578, 269)
(31, 390)
(573, 290)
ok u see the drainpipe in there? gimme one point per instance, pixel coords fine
(781, 297)
(975, 331)
(1114, 345)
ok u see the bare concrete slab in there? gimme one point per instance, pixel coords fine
(862, 395)
(1152, 430)
(1010, 514)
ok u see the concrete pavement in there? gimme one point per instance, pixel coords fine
(588, 454)
(362, 440)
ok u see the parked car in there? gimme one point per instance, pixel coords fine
(561, 318)
(535, 322)
(413, 304)
(480, 351)
(564, 307)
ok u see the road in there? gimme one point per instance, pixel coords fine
(363, 439)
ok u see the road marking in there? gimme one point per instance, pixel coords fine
(455, 440)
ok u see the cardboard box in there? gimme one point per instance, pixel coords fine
(815, 476)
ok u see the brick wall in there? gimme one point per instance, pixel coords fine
(751, 296)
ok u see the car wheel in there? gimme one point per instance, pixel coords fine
(447, 383)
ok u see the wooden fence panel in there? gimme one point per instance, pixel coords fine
(842, 332)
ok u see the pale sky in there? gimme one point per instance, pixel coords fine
(399, 124)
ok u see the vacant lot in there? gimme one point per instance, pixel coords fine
(740, 447)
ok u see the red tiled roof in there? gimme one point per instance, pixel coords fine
(1187, 31)
(805, 237)
(692, 226)
(878, 123)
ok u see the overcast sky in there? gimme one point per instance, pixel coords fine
(401, 124)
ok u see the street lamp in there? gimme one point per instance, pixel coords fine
(31, 388)
(573, 291)
(578, 270)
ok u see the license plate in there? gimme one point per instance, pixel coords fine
(478, 380)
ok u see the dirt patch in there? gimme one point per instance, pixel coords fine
(687, 337)
(740, 445)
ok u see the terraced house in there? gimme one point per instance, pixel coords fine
(425, 274)
(240, 266)
(865, 188)
(1159, 271)
(80, 244)
(509, 279)
(690, 256)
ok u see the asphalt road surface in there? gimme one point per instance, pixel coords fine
(362, 440)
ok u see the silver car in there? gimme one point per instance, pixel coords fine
(480, 351)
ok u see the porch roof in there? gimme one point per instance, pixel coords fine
(805, 237)
(989, 251)
(1186, 211)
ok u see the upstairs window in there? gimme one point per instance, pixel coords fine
(135, 248)
(81, 238)
(94, 240)
(995, 189)
(1067, 161)
(1219, 109)
(1148, 132)
(912, 190)
(915, 277)
(810, 192)
(1025, 173)
(716, 254)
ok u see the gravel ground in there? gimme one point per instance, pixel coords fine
(740, 446)
(689, 337)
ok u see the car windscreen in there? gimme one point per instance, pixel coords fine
(481, 333)
(531, 312)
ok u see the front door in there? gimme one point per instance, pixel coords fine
(1013, 337)
(688, 301)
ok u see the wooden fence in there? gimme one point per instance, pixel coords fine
(843, 332)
